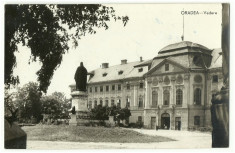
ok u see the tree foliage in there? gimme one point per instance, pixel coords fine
(56, 105)
(9, 107)
(103, 113)
(100, 113)
(43, 28)
(28, 101)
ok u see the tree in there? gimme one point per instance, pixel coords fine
(56, 105)
(28, 101)
(10, 109)
(43, 28)
(103, 113)
(100, 113)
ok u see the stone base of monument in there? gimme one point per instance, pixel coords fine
(111, 121)
(79, 101)
(73, 119)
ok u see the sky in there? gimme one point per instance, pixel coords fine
(150, 28)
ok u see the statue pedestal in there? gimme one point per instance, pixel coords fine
(73, 120)
(79, 101)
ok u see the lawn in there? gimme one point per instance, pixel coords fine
(88, 134)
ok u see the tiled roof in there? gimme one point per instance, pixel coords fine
(181, 45)
(144, 63)
(129, 71)
(216, 61)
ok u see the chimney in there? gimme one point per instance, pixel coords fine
(123, 61)
(105, 65)
(141, 59)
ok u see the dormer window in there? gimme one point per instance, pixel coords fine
(140, 69)
(120, 72)
(166, 67)
(104, 74)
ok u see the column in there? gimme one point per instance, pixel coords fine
(135, 96)
(148, 93)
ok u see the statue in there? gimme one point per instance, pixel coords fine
(81, 78)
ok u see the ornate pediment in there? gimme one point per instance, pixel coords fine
(167, 66)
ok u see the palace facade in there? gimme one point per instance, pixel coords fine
(173, 90)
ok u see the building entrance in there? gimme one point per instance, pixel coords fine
(165, 121)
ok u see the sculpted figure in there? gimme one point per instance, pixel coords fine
(81, 78)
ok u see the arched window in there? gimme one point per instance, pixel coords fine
(154, 98)
(90, 105)
(127, 102)
(112, 103)
(95, 103)
(197, 96)
(179, 97)
(166, 97)
(101, 102)
(119, 103)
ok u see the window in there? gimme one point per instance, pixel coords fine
(107, 88)
(112, 102)
(113, 87)
(197, 96)
(141, 85)
(141, 102)
(128, 86)
(120, 72)
(106, 102)
(139, 118)
(101, 88)
(140, 69)
(90, 105)
(166, 97)
(128, 102)
(166, 67)
(154, 98)
(197, 120)
(95, 89)
(101, 102)
(119, 103)
(95, 103)
(179, 97)
(214, 78)
(90, 89)
(119, 87)
(104, 74)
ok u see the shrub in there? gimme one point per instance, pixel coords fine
(132, 125)
(202, 129)
(191, 128)
(108, 125)
(120, 125)
(205, 129)
(139, 124)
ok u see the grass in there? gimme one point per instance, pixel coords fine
(88, 134)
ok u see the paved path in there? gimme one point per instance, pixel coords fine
(184, 139)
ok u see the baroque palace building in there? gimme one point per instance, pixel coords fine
(173, 90)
